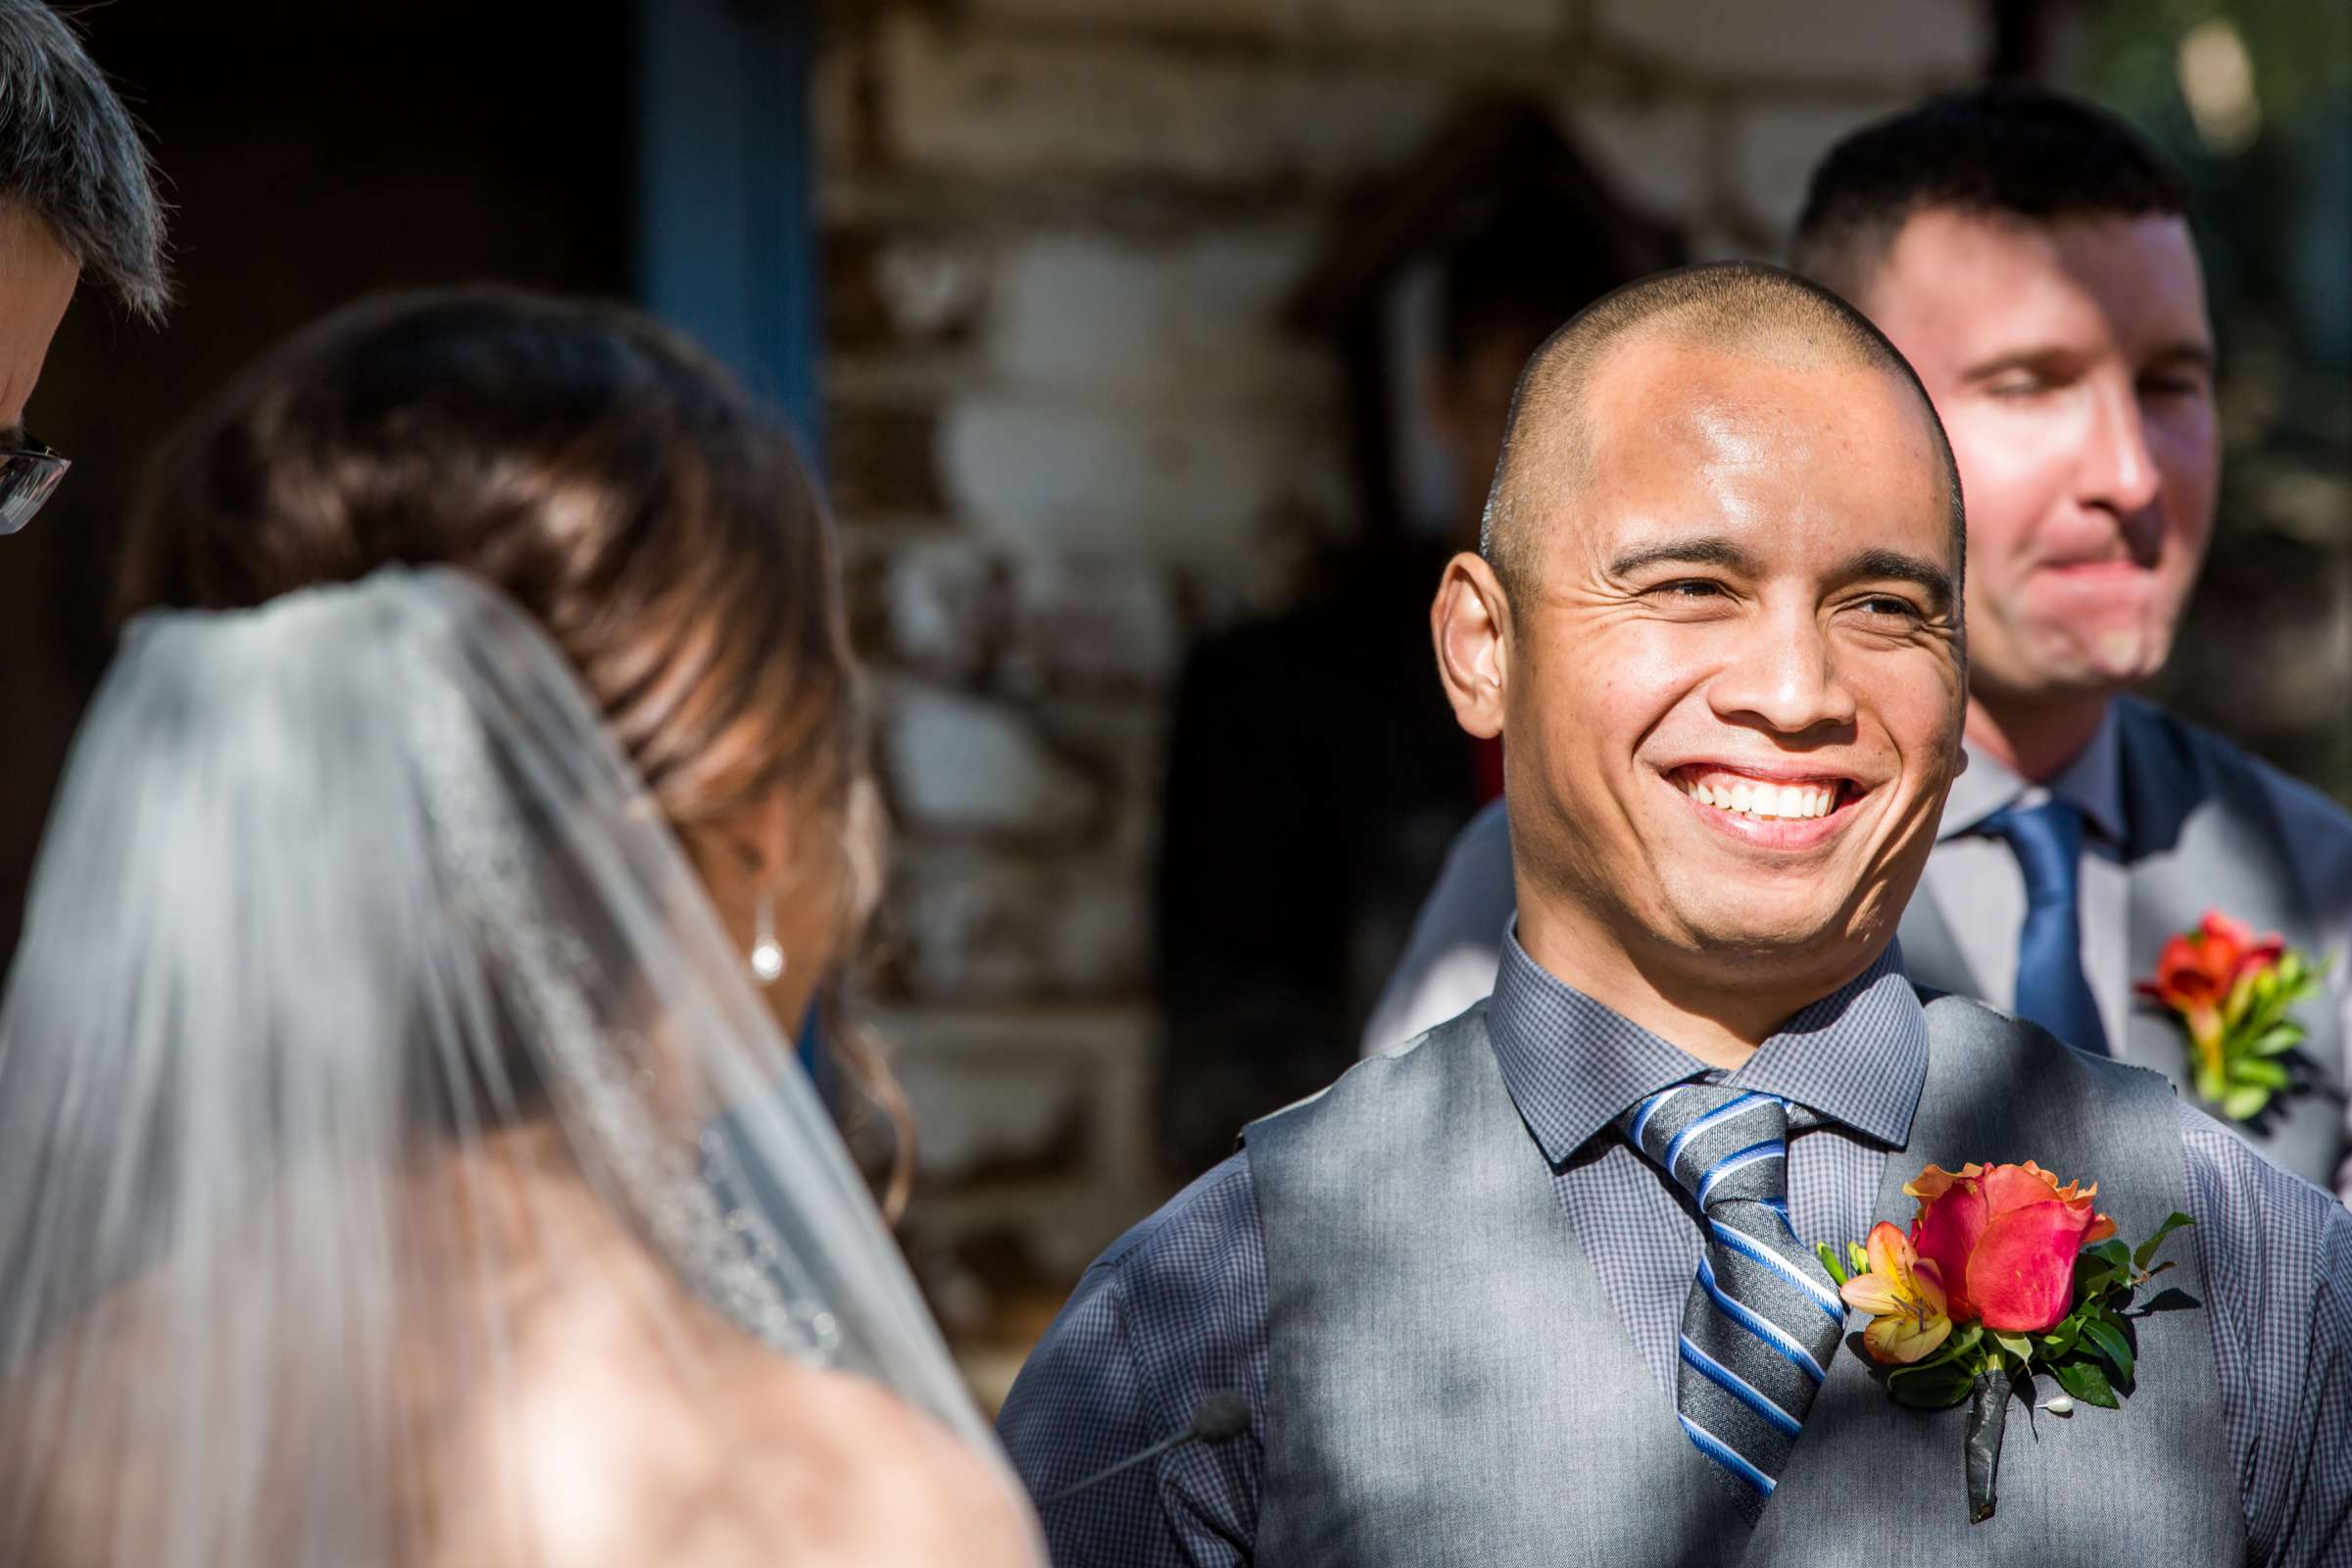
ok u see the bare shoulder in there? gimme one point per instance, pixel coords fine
(881, 1483)
(730, 1457)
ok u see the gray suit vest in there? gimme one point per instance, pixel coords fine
(2204, 836)
(1447, 1383)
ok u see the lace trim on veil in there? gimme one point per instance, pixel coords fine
(727, 1253)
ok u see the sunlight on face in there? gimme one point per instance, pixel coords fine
(2073, 368)
(1736, 691)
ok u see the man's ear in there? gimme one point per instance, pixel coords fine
(752, 847)
(1470, 622)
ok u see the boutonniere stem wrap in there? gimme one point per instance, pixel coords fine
(2233, 991)
(2004, 1276)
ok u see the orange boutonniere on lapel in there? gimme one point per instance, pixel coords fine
(2233, 992)
(2004, 1276)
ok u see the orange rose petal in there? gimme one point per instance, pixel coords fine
(2011, 1187)
(2020, 1273)
(1935, 1181)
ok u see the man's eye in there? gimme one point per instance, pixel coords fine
(1890, 604)
(1692, 588)
(2018, 386)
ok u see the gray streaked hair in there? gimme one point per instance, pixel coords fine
(70, 156)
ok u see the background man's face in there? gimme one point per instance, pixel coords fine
(37, 281)
(1741, 601)
(2072, 366)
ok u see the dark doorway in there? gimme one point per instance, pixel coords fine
(313, 153)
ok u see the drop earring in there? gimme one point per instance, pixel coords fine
(767, 954)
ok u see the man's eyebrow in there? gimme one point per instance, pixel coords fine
(1896, 566)
(2194, 353)
(2044, 362)
(1702, 550)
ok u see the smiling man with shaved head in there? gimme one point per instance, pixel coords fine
(2032, 257)
(1540, 1287)
(1708, 457)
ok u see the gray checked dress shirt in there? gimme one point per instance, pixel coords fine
(1176, 1309)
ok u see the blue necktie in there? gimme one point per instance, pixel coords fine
(2051, 988)
(1762, 1318)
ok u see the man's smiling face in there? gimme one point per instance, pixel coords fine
(1735, 681)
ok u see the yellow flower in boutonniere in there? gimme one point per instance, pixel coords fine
(1903, 1294)
(2233, 991)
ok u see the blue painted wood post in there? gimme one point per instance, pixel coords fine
(725, 189)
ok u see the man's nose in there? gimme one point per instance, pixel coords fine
(1785, 678)
(2119, 471)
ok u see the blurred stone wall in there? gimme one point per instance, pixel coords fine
(1068, 434)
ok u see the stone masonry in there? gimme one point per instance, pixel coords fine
(1069, 433)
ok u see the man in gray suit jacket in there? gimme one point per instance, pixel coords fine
(1539, 1289)
(2030, 257)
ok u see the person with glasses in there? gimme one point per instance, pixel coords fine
(77, 195)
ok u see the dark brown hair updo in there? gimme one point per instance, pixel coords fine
(610, 478)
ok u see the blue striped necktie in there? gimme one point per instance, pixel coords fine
(1762, 1319)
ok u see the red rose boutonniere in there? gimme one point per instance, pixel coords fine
(2233, 991)
(2004, 1275)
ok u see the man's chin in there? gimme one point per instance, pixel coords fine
(2099, 655)
(1749, 938)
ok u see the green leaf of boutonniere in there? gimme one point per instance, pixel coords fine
(2100, 1268)
(2087, 1381)
(2147, 1248)
(2243, 1105)
(2113, 1347)
(1932, 1384)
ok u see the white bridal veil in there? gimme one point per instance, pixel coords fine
(349, 911)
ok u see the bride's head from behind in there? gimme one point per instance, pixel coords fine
(395, 1163)
(620, 487)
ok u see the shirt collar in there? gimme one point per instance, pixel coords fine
(1573, 1065)
(2093, 783)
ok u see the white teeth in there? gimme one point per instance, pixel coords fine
(1767, 801)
